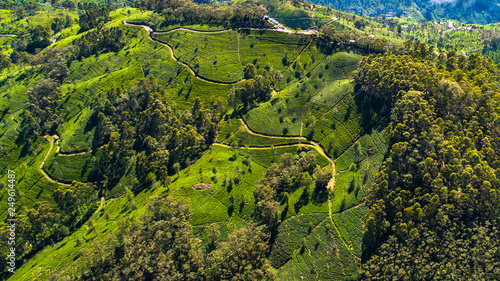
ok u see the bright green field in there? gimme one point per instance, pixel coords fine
(265, 48)
(212, 56)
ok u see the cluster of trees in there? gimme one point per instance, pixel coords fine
(337, 36)
(162, 246)
(292, 172)
(436, 195)
(183, 12)
(491, 46)
(137, 123)
(21, 8)
(61, 23)
(75, 201)
(44, 225)
(480, 11)
(93, 17)
(39, 39)
(254, 89)
(96, 42)
(41, 115)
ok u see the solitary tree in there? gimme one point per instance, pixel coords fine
(177, 168)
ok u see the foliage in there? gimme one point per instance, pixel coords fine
(140, 124)
(186, 12)
(93, 17)
(476, 12)
(440, 171)
(97, 42)
(163, 246)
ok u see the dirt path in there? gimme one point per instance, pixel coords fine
(190, 30)
(150, 31)
(100, 206)
(51, 141)
(316, 146)
(330, 186)
(267, 136)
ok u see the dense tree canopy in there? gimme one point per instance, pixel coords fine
(160, 135)
(245, 14)
(162, 246)
(437, 190)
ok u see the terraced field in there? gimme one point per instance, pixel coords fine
(313, 110)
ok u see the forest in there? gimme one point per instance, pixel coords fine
(435, 195)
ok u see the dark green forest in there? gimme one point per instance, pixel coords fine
(434, 206)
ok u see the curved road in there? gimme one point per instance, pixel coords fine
(149, 30)
(51, 141)
(331, 183)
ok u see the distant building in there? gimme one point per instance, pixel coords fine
(273, 21)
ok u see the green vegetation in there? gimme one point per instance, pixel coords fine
(438, 181)
(204, 146)
(270, 49)
(482, 11)
(211, 55)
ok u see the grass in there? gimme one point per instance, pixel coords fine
(75, 137)
(10, 23)
(72, 168)
(228, 128)
(291, 233)
(282, 115)
(6, 43)
(352, 185)
(213, 205)
(267, 49)
(213, 56)
(185, 88)
(309, 95)
(322, 256)
(31, 185)
(350, 225)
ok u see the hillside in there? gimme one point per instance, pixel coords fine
(480, 11)
(145, 142)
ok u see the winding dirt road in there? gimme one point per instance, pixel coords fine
(331, 183)
(149, 30)
(51, 141)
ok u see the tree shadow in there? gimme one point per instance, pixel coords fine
(351, 187)
(320, 194)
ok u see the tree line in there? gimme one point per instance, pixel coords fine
(436, 192)
(184, 12)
